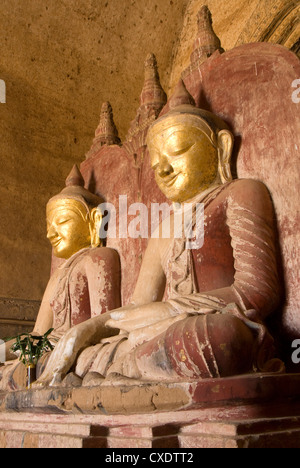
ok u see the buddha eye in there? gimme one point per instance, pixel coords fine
(179, 143)
(155, 157)
(63, 221)
(173, 152)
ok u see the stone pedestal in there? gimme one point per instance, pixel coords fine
(251, 411)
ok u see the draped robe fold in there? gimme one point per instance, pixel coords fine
(220, 295)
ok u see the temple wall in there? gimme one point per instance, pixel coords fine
(238, 22)
(60, 61)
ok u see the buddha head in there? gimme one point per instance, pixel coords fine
(190, 149)
(73, 218)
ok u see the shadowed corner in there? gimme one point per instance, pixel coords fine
(2, 92)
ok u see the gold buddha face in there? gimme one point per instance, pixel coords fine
(68, 227)
(187, 158)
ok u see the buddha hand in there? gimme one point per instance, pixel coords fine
(64, 355)
(128, 319)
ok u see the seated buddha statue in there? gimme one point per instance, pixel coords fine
(87, 282)
(199, 312)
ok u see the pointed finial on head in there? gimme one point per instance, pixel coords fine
(152, 92)
(207, 41)
(152, 100)
(181, 97)
(151, 70)
(204, 18)
(107, 133)
(75, 178)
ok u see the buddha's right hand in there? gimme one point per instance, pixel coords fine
(62, 358)
(66, 351)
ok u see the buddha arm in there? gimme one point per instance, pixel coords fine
(44, 319)
(250, 219)
(151, 281)
(103, 272)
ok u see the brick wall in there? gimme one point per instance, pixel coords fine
(17, 316)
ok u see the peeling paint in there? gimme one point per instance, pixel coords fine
(216, 389)
(182, 355)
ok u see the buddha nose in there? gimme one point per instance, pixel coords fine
(51, 233)
(164, 167)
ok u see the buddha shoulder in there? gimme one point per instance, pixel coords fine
(251, 195)
(103, 254)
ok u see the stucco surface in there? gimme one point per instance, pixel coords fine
(61, 60)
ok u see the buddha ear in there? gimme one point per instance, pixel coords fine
(225, 147)
(95, 225)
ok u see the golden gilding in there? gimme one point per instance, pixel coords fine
(70, 227)
(188, 156)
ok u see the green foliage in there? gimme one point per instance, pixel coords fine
(31, 347)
